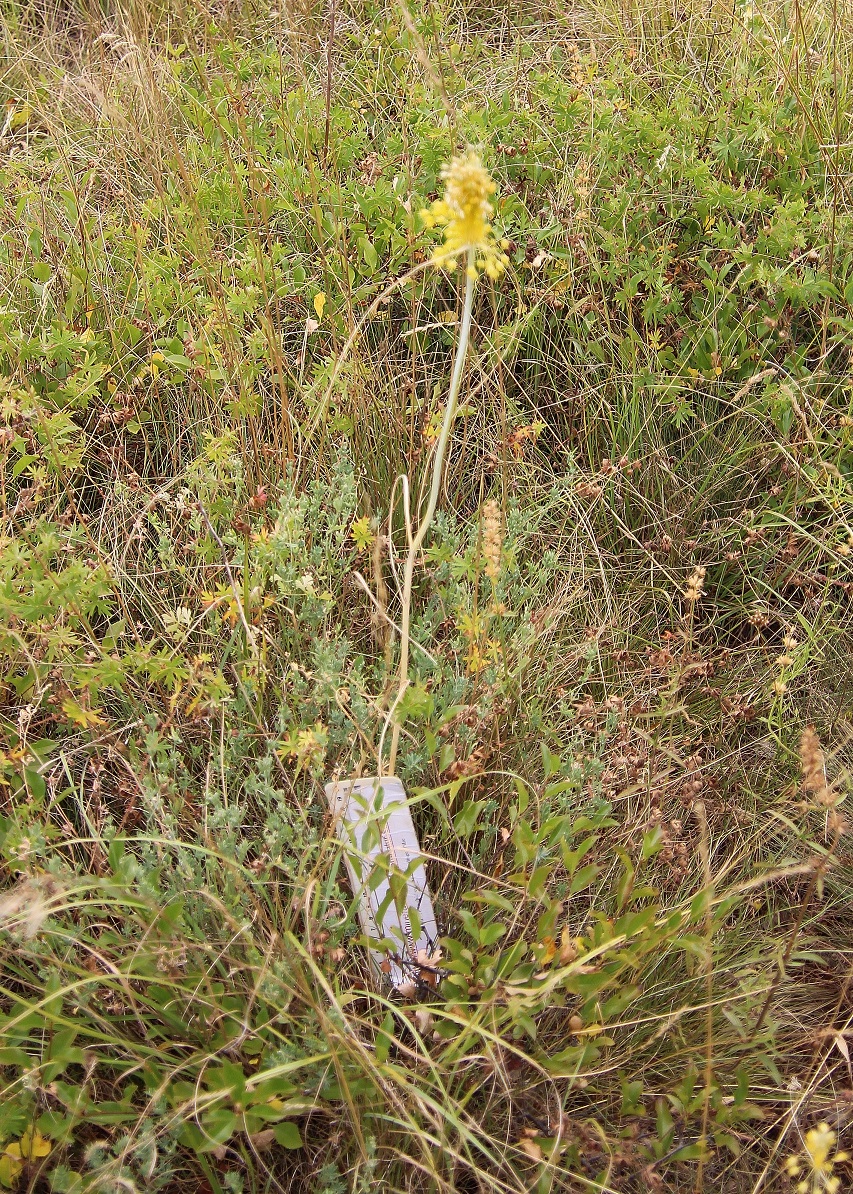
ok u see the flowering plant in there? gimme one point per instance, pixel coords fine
(464, 213)
(816, 1164)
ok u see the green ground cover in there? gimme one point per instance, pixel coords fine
(221, 340)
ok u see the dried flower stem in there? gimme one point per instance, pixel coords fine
(416, 542)
(329, 72)
(708, 962)
(813, 770)
(818, 873)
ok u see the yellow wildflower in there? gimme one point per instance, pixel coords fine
(11, 1165)
(32, 1144)
(817, 1162)
(464, 213)
(30, 1147)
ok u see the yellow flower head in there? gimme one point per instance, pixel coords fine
(464, 213)
(817, 1162)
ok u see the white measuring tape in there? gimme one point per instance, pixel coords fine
(378, 809)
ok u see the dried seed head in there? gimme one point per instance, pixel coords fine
(25, 907)
(811, 760)
(695, 584)
(837, 825)
(492, 539)
(813, 768)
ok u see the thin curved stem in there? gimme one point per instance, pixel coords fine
(416, 542)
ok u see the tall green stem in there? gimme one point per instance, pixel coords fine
(416, 542)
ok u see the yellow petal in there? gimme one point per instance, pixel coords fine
(9, 1168)
(319, 304)
(33, 1144)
